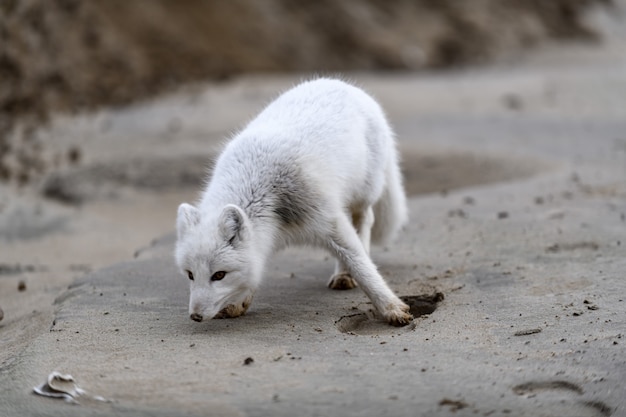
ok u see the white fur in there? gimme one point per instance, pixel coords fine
(318, 166)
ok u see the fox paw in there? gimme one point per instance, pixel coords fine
(341, 281)
(397, 314)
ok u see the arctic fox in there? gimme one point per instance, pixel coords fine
(318, 166)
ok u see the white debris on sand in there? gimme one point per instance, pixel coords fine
(63, 386)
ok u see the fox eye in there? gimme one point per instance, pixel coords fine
(219, 275)
(190, 275)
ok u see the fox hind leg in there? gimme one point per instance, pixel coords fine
(362, 220)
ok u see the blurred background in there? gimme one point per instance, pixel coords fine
(75, 55)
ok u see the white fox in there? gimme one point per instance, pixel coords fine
(318, 166)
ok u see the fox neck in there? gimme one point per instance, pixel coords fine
(264, 239)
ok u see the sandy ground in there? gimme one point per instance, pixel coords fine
(518, 178)
(48, 243)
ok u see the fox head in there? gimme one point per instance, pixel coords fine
(216, 254)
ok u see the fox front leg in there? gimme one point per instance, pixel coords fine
(348, 248)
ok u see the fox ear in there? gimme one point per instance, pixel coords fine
(233, 225)
(188, 217)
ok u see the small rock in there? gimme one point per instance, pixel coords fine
(503, 215)
(455, 405)
(527, 332)
(457, 213)
(469, 200)
(512, 102)
(73, 155)
(1, 314)
(248, 361)
(21, 286)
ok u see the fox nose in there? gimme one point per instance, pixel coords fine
(196, 317)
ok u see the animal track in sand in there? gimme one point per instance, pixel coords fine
(534, 386)
(583, 408)
(367, 323)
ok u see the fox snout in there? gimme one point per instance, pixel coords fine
(196, 317)
(227, 312)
